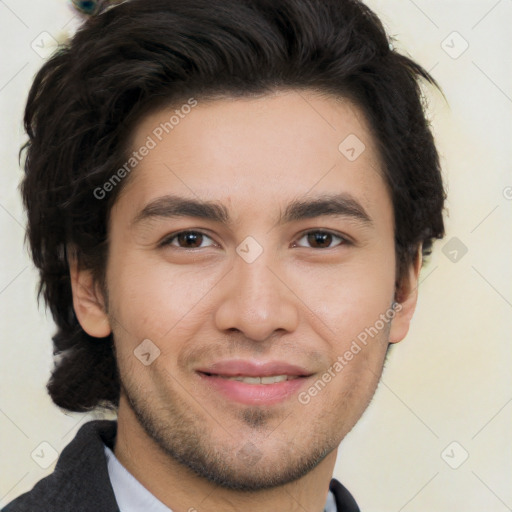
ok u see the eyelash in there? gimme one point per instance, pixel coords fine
(343, 239)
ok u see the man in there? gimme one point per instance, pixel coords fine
(229, 203)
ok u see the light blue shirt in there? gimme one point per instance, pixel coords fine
(132, 496)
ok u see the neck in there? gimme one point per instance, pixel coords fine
(183, 491)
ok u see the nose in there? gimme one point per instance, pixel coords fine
(257, 301)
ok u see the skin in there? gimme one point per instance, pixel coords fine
(297, 302)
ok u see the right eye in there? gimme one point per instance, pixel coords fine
(187, 240)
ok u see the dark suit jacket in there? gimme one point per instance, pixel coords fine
(80, 482)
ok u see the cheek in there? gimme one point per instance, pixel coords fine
(348, 297)
(151, 298)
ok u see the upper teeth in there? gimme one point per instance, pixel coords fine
(261, 380)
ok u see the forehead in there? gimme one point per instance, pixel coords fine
(257, 153)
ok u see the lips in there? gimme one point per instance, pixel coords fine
(253, 382)
(246, 368)
(271, 379)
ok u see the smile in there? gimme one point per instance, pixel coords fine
(273, 379)
(251, 382)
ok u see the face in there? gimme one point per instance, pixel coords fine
(253, 253)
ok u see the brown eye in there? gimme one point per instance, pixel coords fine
(189, 240)
(320, 240)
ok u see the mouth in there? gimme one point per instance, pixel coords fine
(271, 379)
(252, 382)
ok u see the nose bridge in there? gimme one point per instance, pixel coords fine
(256, 302)
(256, 284)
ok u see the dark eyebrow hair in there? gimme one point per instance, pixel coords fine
(343, 205)
(174, 206)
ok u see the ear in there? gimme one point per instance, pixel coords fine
(406, 296)
(88, 301)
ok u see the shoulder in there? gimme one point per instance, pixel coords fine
(80, 481)
(345, 502)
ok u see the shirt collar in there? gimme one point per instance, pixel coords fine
(132, 496)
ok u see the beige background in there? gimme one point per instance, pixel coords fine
(449, 381)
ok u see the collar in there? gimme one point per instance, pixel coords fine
(81, 480)
(132, 496)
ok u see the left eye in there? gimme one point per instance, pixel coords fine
(320, 240)
(188, 240)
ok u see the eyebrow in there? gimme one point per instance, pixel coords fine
(336, 205)
(175, 206)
